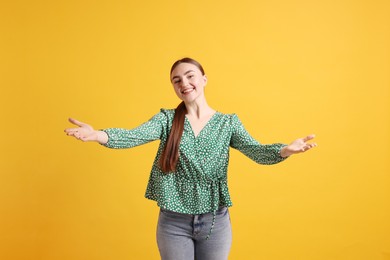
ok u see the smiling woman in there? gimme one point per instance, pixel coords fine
(189, 174)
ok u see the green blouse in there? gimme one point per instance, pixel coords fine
(199, 184)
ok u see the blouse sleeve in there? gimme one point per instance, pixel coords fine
(119, 138)
(245, 143)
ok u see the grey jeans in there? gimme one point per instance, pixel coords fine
(183, 236)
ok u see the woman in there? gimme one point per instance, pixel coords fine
(188, 179)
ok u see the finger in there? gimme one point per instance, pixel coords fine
(76, 122)
(308, 138)
(71, 130)
(309, 146)
(74, 134)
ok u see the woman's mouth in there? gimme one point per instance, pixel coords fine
(187, 91)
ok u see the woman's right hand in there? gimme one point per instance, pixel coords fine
(85, 132)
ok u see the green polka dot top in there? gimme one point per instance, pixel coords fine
(199, 184)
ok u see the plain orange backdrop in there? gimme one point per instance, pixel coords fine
(287, 68)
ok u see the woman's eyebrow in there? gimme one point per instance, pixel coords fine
(174, 77)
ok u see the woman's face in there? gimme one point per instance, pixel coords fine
(188, 82)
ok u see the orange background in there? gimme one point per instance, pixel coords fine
(287, 68)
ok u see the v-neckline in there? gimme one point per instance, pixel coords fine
(205, 125)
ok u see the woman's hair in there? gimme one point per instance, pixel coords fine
(170, 154)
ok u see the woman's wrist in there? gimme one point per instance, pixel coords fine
(101, 137)
(284, 152)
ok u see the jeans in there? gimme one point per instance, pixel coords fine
(183, 236)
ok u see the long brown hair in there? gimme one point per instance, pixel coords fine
(170, 154)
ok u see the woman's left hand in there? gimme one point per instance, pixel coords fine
(298, 146)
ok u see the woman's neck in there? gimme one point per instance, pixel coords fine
(199, 109)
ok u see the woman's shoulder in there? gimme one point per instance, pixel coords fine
(168, 112)
(230, 120)
(226, 116)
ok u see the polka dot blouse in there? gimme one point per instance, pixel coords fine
(199, 184)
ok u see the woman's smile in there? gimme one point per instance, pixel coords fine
(187, 90)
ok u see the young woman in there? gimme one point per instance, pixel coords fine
(188, 179)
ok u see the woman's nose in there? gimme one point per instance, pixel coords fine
(184, 82)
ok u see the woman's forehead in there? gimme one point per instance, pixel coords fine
(184, 67)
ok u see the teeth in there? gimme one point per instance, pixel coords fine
(187, 90)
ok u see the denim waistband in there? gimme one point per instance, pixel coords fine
(220, 210)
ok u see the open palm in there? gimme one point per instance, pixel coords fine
(298, 146)
(83, 132)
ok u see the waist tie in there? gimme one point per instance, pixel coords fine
(215, 201)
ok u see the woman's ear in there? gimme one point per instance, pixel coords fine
(205, 80)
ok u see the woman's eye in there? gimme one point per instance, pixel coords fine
(190, 76)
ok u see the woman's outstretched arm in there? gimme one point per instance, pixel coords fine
(265, 153)
(86, 133)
